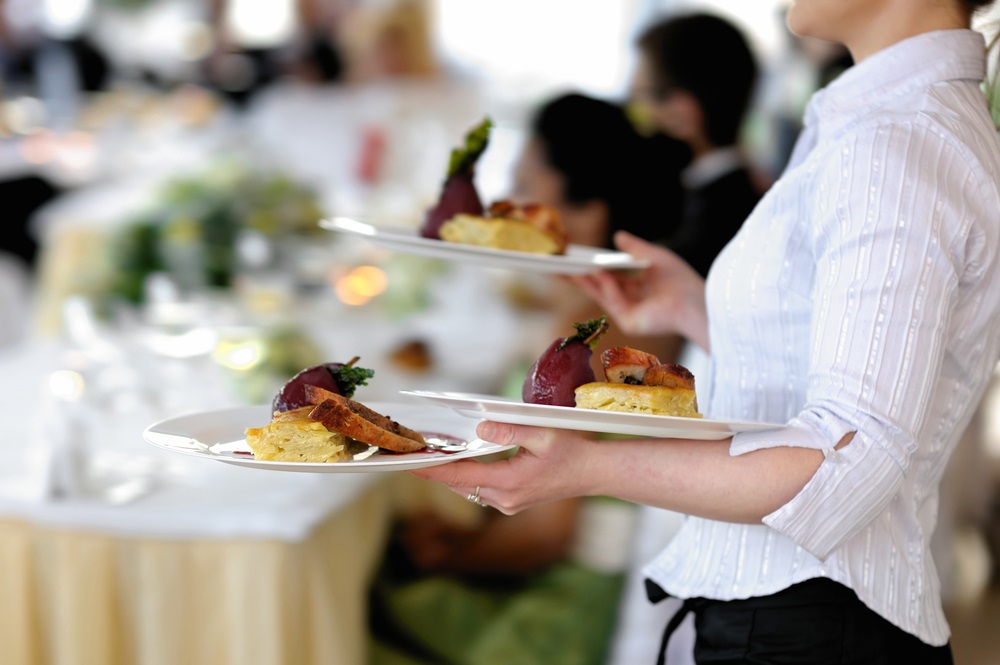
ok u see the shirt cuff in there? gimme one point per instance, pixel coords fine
(849, 490)
(824, 434)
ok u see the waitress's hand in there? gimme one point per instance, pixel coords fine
(667, 297)
(551, 464)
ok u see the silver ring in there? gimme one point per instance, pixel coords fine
(474, 498)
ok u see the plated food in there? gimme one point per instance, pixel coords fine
(524, 236)
(517, 412)
(637, 382)
(578, 259)
(634, 381)
(459, 195)
(292, 436)
(530, 228)
(458, 216)
(219, 436)
(315, 420)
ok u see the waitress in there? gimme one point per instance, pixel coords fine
(859, 305)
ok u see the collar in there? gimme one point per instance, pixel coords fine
(711, 166)
(914, 63)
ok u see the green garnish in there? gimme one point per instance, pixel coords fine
(348, 377)
(464, 159)
(588, 333)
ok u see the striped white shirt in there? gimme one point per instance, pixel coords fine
(862, 295)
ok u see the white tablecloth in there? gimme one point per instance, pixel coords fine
(189, 498)
(216, 565)
(176, 496)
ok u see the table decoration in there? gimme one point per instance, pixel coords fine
(204, 228)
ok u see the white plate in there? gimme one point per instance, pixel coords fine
(578, 259)
(218, 435)
(505, 410)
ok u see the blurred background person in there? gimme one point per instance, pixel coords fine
(318, 57)
(584, 157)
(389, 40)
(244, 62)
(694, 81)
(252, 50)
(49, 47)
(50, 56)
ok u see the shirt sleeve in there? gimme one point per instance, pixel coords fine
(889, 221)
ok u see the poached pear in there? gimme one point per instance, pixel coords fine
(458, 196)
(458, 193)
(564, 366)
(340, 378)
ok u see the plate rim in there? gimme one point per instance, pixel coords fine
(203, 450)
(591, 417)
(406, 239)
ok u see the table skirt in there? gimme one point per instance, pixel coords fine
(83, 598)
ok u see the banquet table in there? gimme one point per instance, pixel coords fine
(169, 559)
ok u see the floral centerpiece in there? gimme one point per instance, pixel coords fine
(193, 231)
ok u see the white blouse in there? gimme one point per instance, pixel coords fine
(861, 295)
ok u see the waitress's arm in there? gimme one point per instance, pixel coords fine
(700, 478)
(703, 478)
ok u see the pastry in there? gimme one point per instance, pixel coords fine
(311, 423)
(638, 383)
(292, 436)
(628, 398)
(532, 228)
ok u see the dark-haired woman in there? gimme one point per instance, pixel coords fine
(858, 306)
(584, 157)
